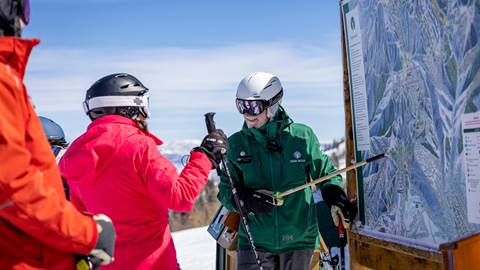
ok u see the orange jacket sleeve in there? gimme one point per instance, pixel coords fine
(31, 193)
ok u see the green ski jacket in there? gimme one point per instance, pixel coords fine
(292, 226)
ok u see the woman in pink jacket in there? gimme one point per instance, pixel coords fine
(115, 168)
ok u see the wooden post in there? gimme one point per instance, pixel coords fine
(350, 154)
(351, 180)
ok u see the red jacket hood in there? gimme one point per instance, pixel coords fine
(93, 152)
(15, 52)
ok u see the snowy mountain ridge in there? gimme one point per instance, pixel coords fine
(177, 151)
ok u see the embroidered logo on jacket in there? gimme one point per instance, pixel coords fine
(287, 237)
(297, 155)
(244, 158)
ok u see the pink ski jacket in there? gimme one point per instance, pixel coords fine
(115, 168)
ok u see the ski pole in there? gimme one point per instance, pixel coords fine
(343, 242)
(277, 198)
(211, 127)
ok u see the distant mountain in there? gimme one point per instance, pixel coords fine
(177, 151)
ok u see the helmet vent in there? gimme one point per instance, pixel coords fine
(124, 86)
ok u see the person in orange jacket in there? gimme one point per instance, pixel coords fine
(39, 228)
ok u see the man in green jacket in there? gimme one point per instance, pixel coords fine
(273, 153)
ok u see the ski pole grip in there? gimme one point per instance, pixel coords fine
(211, 127)
(209, 121)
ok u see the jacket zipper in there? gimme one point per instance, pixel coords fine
(281, 176)
(275, 216)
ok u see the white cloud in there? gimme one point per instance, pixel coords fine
(186, 80)
(174, 74)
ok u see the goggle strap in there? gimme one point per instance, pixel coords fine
(275, 99)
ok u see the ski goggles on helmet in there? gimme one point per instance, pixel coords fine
(57, 145)
(56, 149)
(256, 107)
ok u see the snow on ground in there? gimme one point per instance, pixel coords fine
(195, 249)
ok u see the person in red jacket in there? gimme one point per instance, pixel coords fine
(115, 167)
(39, 228)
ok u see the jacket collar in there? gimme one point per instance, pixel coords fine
(117, 119)
(271, 129)
(15, 52)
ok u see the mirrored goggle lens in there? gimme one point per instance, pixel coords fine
(251, 107)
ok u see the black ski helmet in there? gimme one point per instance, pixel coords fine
(118, 93)
(54, 133)
(10, 11)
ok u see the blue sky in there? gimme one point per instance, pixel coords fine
(191, 55)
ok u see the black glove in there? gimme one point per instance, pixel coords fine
(102, 253)
(214, 145)
(254, 201)
(339, 205)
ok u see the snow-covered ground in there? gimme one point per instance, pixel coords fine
(195, 249)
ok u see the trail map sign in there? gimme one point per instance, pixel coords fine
(414, 72)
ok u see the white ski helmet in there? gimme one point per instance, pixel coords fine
(257, 92)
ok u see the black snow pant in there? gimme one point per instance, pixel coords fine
(290, 260)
